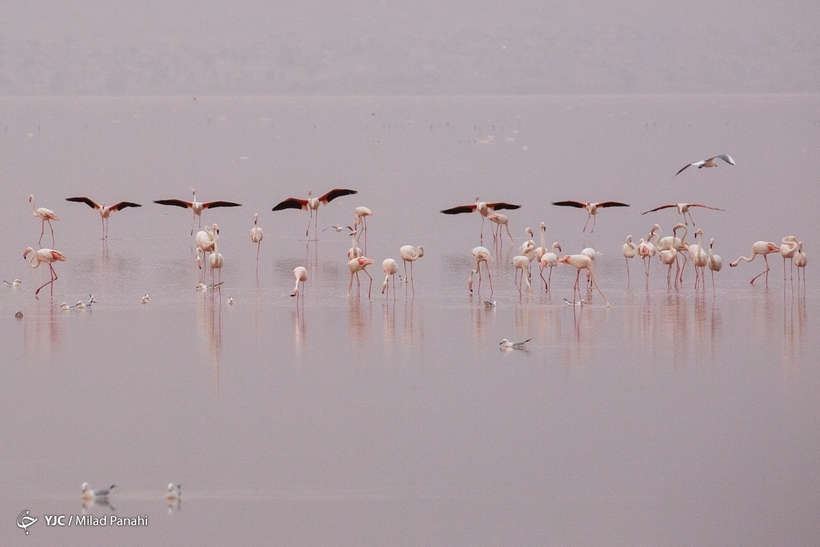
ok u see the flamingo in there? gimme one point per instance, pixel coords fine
(591, 209)
(629, 250)
(354, 251)
(522, 263)
(506, 344)
(800, 260)
(646, 250)
(311, 204)
(361, 218)
(481, 254)
(49, 256)
(104, 210)
(542, 249)
(45, 215)
(582, 262)
(470, 280)
(788, 247)
(683, 209)
(205, 244)
(714, 262)
(102, 494)
(216, 261)
(669, 257)
(174, 492)
(501, 220)
(196, 206)
(759, 248)
(300, 273)
(699, 257)
(528, 250)
(356, 265)
(390, 268)
(550, 259)
(411, 254)
(706, 163)
(483, 207)
(256, 236)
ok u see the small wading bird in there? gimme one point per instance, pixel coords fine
(196, 206)
(89, 494)
(300, 274)
(48, 256)
(174, 492)
(311, 204)
(15, 283)
(759, 248)
(506, 344)
(104, 210)
(483, 207)
(591, 209)
(145, 299)
(45, 215)
(706, 163)
(683, 209)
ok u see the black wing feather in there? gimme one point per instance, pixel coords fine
(174, 202)
(290, 203)
(337, 193)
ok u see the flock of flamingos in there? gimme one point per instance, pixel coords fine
(672, 250)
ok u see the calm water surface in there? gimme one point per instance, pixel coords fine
(674, 417)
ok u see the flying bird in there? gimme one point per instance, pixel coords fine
(483, 207)
(707, 163)
(312, 204)
(105, 210)
(196, 206)
(591, 208)
(683, 209)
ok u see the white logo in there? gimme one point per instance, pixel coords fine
(24, 520)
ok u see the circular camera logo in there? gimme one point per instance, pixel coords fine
(24, 520)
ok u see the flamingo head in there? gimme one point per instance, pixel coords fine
(543, 226)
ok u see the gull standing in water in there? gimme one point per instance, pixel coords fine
(506, 344)
(102, 494)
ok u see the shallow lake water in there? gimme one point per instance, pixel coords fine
(673, 417)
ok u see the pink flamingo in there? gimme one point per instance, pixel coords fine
(699, 258)
(390, 268)
(582, 262)
(481, 254)
(196, 206)
(311, 204)
(300, 273)
(683, 209)
(522, 263)
(549, 260)
(256, 236)
(356, 265)
(591, 209)
(800, 260)
(788, 247)
(104, 210)
(216, 260)
(629, 250)
(500, 220)
(361, 218)
(483, 207)
(763, 248)
(49, 256)
(411, 254)
(45, 215)
(715, 263)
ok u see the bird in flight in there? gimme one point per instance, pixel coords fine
(707, 163)
(105, 210)
(483, 207)
(683, 209)
(196, 206)
(591, 208)
(312, 204)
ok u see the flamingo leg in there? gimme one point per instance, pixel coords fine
(627, 272)
(412, 279)
(587, 222)
(371, 284)
(766, 271)
(49, 282)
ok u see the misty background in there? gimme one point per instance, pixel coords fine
(427, 47)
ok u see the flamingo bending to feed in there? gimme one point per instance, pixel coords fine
(483, 207)
(390, 267)
(48, 256)
(311, 204)
(196, 206)
(522, 263)
(788, 247)
(714, 262)
(300, 273)
(706, 163)
(104, 210)
(500, 220)
(683, 209)
(361, 218)
(763, 248)
(411, 254)
(591, 209)
(582, 262)
(45, 215)
(356, 265)
(481, 254)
